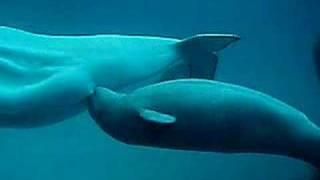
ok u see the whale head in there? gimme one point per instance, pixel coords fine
(123, 119)
(103, 105)
(112, 114)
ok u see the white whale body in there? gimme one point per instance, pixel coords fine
(46, 79)
(204, 115)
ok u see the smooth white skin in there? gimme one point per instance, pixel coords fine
(46, 79)
(210, 116)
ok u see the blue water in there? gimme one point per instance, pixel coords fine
(274, 56)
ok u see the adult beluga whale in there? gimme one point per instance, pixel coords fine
(204, 115)
(45, 79)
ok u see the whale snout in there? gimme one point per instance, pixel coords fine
(92, 103)
(94, 96)
(101, 101)
(97, 92)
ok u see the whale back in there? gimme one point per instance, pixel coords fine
(29, 58)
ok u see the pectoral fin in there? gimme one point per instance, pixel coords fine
(157, 118)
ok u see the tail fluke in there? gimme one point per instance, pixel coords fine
(200, 52)
(208, 42)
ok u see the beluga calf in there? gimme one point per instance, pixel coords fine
(204, 115)
(45, 79)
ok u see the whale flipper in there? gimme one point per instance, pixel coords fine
(157, 117)
(200, 52)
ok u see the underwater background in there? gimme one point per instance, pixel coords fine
(274, 56)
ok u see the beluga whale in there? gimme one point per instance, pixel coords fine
(208, 116)
(45, 79)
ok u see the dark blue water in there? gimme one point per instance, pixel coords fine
(274, 56)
